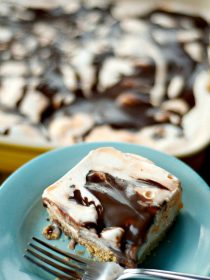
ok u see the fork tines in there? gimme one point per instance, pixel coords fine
(47, 256)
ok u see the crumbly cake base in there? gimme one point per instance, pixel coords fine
(106, 255)
(101, 253)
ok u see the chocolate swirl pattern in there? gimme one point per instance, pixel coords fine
(91, 72)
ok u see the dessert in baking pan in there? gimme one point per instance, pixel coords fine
(104, 70)
(118, 205)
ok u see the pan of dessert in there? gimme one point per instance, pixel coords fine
(132, 71)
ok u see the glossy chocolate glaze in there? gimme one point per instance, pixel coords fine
(106, 111)
(132, 212)
(103, 105)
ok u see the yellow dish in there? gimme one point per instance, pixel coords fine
(13, 155)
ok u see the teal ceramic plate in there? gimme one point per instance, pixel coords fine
(186, 247)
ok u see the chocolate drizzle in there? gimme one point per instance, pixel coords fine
(106, 111)
(153, 183)
(84, 201)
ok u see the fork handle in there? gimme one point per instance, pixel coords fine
(162, 274)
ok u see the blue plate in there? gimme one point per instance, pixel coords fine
(186, 247)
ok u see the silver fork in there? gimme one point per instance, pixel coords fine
(73, 267)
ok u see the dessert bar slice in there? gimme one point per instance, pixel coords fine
(116, 204)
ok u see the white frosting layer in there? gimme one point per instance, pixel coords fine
(125, 166)
(28, 132)
(11, 91)
(8, 120)
(113, 234)
(33, 105)
(67, 129)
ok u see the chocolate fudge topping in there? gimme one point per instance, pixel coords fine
(120, 208)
